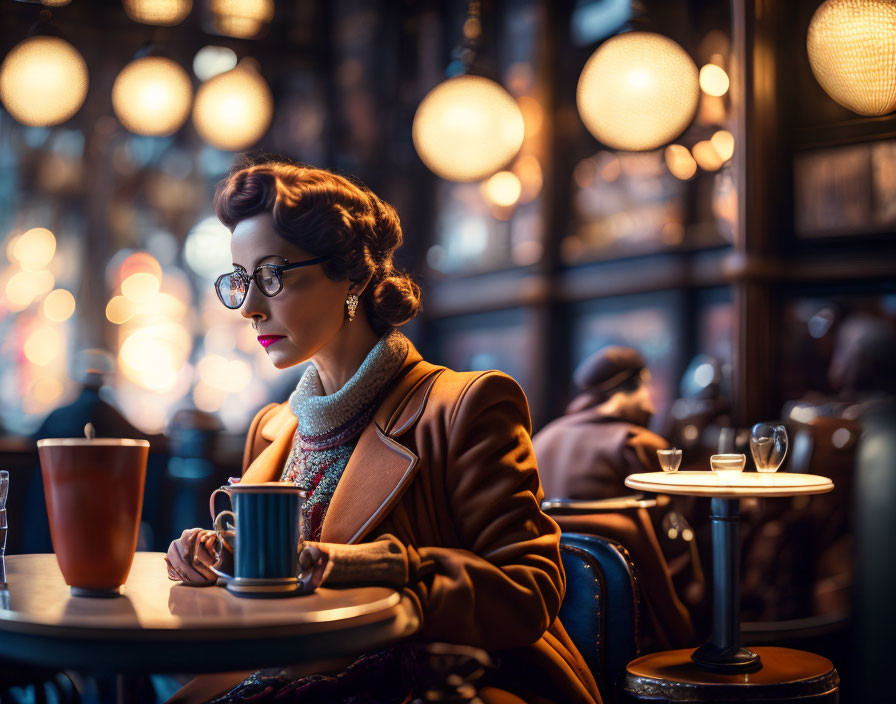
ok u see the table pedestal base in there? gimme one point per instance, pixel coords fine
(726, 660)
(792, 676)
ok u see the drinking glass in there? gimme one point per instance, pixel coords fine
(670, 459)
(727, 467)
(768, 445)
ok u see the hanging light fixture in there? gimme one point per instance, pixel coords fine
(468, 127)
(233, 109)
(43, 81)
(241, 18)
(638, 91)
(159, 12)
(152, 96)
(852, 52)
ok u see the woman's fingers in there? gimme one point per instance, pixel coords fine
(314, 564)
(180, 556)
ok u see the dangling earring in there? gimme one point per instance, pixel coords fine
(351, 305)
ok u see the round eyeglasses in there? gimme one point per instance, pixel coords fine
(233, 286)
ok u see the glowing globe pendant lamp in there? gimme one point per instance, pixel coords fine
(468, 127)
(852, 52)
(638, 91)
(233, 109)
(152, 96)
(43, 81)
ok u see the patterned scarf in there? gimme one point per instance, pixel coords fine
(329, 426)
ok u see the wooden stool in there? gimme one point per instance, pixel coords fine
(786, 676)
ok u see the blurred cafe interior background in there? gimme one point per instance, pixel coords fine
(712, 183)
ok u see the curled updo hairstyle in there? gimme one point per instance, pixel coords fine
(328, 215)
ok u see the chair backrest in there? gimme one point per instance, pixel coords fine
(600, 610)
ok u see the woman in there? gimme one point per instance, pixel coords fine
(422, 478)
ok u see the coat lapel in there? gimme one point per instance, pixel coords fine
(380, 468)
(268, 466)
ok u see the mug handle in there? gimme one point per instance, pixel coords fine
(221, 531)
(211, 499)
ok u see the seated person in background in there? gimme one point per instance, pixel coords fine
(588, 453)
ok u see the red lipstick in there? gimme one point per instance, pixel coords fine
(268, 340)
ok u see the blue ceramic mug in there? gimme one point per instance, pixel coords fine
(263, 531)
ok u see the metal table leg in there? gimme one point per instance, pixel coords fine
(723, 652)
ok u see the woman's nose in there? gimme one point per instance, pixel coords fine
(255, 304)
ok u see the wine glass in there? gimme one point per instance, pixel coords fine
(670, 459)
(768, 445)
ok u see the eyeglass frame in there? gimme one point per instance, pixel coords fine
(278, 273)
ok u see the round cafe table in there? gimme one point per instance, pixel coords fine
(157, 625)
(723, 653)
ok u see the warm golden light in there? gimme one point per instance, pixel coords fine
(47, 390)
(638, 91)
(241, 18)
(151, 356)
(139, 262)
(852, 52)
(503, 189)
(161, 12)
(680, 162)
(24, 286)
(44, 345)
(707, 156)
(233, 110)
(152, 96)
(43, 81)
(34, 249)
(467, 128)
(723, 142)
(59, 305)
(528, 170)
(120, 310)
(140, 286)
(714, 80)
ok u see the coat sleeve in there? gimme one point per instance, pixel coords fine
(503, 587)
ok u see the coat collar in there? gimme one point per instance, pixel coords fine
(379, 469)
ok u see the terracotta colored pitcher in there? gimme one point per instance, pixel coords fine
(94, 493)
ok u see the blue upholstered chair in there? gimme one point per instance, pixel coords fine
(600, 611)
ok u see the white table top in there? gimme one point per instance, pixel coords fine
(742, 485)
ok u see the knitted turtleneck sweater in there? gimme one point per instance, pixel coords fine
(329, 426)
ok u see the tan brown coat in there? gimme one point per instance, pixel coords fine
(447, 468)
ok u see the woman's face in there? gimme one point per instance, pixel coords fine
(309, 310)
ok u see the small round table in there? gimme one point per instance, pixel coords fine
(157, 625)
(723, 653)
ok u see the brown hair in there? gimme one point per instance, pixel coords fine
(328, 215)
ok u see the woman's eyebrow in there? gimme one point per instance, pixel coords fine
(259, 261)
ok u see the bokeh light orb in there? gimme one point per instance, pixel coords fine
(242, 18)
(152, 96)
(34, 249)
(680, 162)
(233, 109)
(714, 80)
(467, 128)
(852, 52)
(503, 189)
(638, 91)
(207, 249)
(159, 12)
(43, 81)
(59, 305)
(211, 60)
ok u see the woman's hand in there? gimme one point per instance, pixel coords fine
(315, 564)
(190, 556)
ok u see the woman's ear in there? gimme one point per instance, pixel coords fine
(358, 287)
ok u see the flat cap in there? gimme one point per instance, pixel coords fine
(608, 368)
